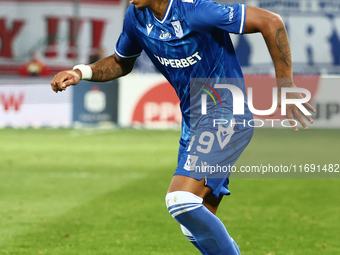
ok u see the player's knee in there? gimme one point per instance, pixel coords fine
(179, 202)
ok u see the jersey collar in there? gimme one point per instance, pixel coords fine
(166, 13)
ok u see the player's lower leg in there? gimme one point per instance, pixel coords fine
(236, 246)
(211, 203)
(191, 238)
(208, 231)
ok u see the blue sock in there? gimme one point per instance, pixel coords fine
(190, 237)
(208, 231)
(236, 247)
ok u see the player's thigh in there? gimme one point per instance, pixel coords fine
(189, 184)
(184, 183)
(211, 202)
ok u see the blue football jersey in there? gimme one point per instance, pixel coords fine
(191, 44)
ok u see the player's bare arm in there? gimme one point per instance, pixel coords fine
(109, 68)
(275, 35)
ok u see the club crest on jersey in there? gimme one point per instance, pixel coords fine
(165, 35)
(178, 28)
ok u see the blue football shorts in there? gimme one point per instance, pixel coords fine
(210, 154)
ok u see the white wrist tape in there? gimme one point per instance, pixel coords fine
(86, 71)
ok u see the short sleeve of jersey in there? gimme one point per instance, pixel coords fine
(205, 15)
(127, 45)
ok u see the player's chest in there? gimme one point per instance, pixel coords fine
(170, 31)
(171, 39)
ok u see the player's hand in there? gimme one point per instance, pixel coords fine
(64, 79)
(293, 112)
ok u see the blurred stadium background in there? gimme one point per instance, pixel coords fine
(76, 177)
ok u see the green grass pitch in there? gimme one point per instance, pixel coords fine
(101, 192)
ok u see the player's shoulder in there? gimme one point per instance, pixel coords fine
(187, 1)
(204, 15)
(192, 4)
(131, 12)
(135, 17)
(128, 17)
(188, 7)
(196, 12)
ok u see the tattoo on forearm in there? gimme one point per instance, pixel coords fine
(282, 44)
(107, 73)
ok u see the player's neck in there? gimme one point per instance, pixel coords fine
(158, 7)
